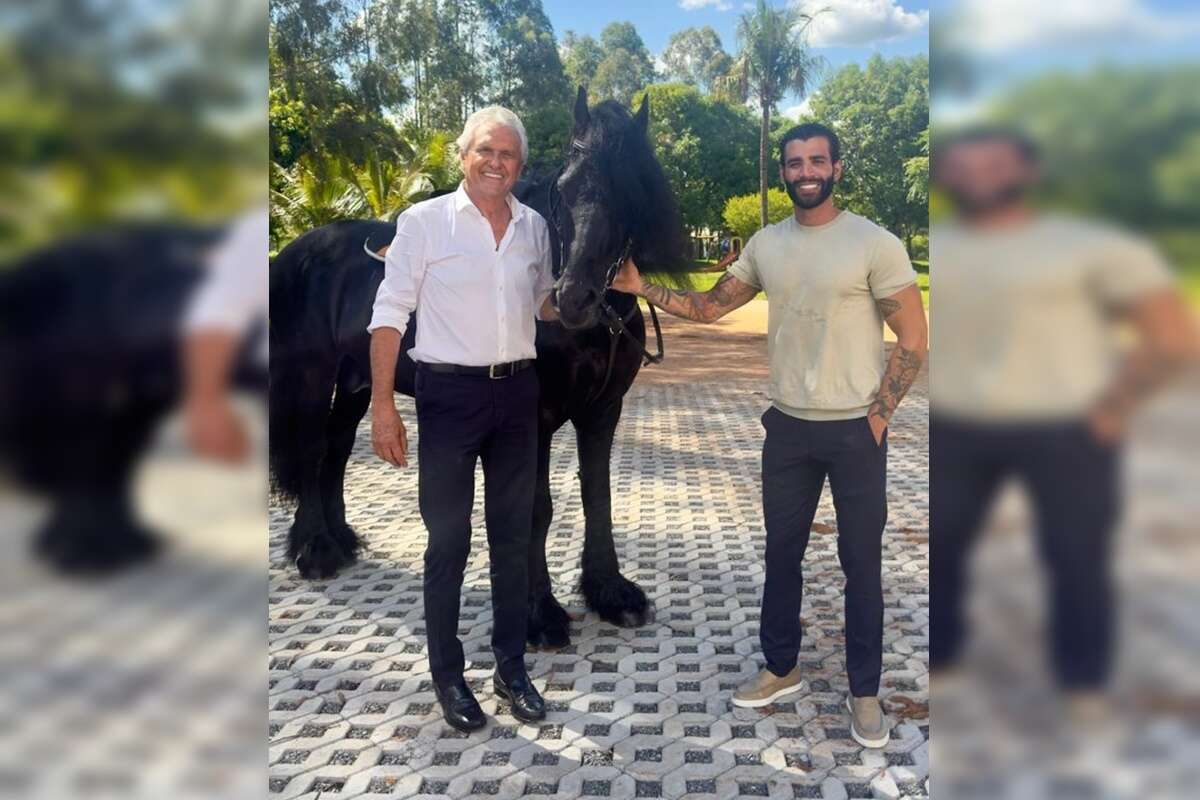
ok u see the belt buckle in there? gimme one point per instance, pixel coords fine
(492, 372)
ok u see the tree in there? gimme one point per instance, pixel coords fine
(626, 67)
(695, 56)
(706, 148)
(1116, 141)
(916, 171)
(772, 61)
(526, 71)
(880, 113)
(581, 55)
(741, 213)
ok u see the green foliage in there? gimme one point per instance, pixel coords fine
(742, 213)
(626, 66)
(696, 57)
(1118, 142)
(108, 117)
(881, 114)
(916, 171)
(706, 147)
(527, 74)
(581, 56)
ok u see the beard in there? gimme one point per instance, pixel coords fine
(974, 205)
(799, 200)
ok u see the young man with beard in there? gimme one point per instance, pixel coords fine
(832, 278)
(1032, 383)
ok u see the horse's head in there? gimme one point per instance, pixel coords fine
(600, 195)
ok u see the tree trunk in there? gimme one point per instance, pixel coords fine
(764, 134)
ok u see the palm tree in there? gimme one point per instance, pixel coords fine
(313, 192)
(772, 61)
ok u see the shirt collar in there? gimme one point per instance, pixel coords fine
(462, 202)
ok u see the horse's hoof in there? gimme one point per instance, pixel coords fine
(549, 625)
(321, 559)
(617, 600)
(96, 552)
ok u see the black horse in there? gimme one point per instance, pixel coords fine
(609, 198)
(89, 365)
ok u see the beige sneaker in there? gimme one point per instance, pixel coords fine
(766, 687)
(868, 726)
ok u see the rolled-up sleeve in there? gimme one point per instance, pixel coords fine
(404, 270)
(545, 277)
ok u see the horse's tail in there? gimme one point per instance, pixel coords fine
(289, 406)
(299, 395)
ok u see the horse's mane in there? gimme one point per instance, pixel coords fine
(642, 196)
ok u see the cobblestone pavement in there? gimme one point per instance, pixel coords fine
(632, 713)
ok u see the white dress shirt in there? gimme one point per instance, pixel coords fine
(234, 292)
(476, 302)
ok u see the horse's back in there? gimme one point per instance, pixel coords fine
(323, 286)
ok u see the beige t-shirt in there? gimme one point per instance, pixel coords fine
(1025, 327)
(824, 333)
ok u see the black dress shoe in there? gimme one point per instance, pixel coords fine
(527, 704)
(460, 708)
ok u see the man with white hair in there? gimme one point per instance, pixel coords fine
(475, 266)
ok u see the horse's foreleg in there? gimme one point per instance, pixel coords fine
(549, 624)
(608, 593)
(347, 411)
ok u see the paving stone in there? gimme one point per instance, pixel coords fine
(631, 713)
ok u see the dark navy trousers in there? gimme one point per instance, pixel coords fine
(1072, 481)
(797, 457)
(462, 419)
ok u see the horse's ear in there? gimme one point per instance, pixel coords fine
(643, 113)
(581, 107)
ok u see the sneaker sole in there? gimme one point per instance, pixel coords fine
(766, 701)
(863, 740)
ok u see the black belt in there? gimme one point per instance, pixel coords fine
(505, 370)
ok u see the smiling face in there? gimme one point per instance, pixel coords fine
(492, 164)
(984, 176)
(809, 172)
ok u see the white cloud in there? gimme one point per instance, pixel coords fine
(693, 5)
(795, 112)
(987, 26)
(861, 22)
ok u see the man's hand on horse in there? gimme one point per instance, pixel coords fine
(388, 436)
(628, 279)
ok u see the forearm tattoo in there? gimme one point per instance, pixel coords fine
(726, 295)
(902, 370)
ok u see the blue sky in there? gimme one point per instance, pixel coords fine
(1016, 40)
(851, 32)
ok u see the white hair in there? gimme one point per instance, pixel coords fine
(488, 117)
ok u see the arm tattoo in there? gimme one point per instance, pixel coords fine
(887, 306)
(901, 372)
(728, 294)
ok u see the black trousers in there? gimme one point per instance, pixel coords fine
(797, 457)
(462, 418)
(1072, 481)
